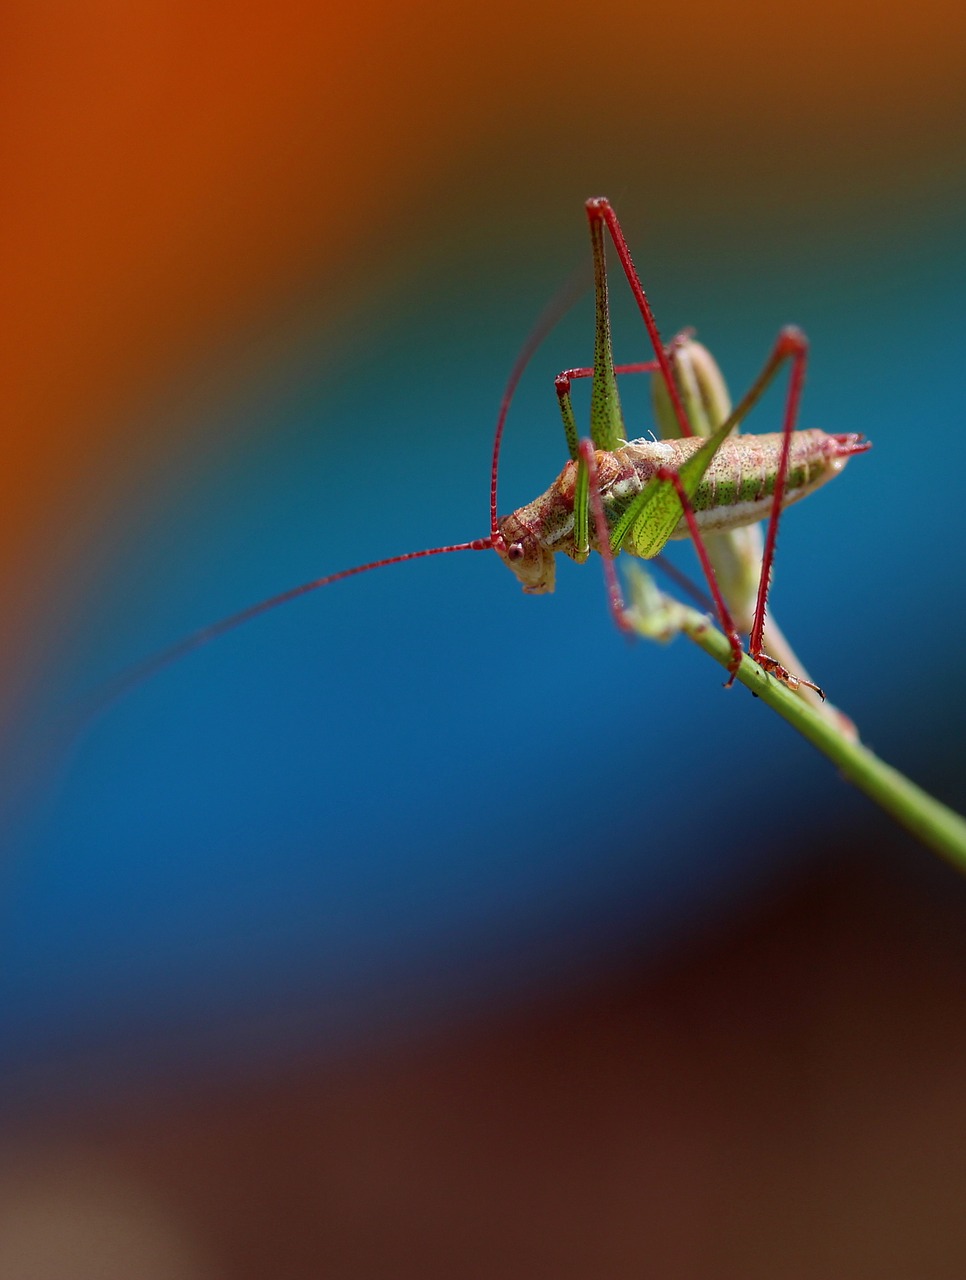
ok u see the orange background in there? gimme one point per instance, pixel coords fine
(169, 170)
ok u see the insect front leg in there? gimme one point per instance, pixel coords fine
(587, 495)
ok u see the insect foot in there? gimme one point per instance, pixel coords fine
(775, 668)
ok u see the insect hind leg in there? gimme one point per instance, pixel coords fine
(791, 344)
(600, 211)
(589, 493)
(724, 614)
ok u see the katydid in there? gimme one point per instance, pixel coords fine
(635, 496)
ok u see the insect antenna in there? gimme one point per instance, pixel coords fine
(128, 680)
(549, 318)
(53, 743)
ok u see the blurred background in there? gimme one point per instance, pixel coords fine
(419, 927)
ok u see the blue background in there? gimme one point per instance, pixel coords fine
(418, 790)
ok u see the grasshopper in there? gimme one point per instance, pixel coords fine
(617, 495)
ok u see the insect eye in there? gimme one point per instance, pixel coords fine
(515, 551)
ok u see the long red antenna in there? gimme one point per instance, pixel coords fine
(127, 680)
(81, 715)
(552, 314)
(135, 675)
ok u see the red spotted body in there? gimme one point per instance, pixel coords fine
(737, 490)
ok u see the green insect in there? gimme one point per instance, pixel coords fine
(708, 483)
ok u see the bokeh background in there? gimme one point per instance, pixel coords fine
(420, 927)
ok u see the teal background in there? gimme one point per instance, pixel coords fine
(418, 791)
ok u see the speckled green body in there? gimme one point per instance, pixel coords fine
(736, 490)
(738, 486)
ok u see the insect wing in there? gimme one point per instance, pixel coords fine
(654, 514)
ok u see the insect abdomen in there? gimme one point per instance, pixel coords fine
(738, 486)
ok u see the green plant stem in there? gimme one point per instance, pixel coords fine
(937, 826)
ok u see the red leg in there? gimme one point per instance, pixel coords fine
(615, 600)
(791, 344)
(562, 383)
(724, 617)
(563, 380)
(599, 210)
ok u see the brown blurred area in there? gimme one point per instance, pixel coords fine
(783, 1099)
